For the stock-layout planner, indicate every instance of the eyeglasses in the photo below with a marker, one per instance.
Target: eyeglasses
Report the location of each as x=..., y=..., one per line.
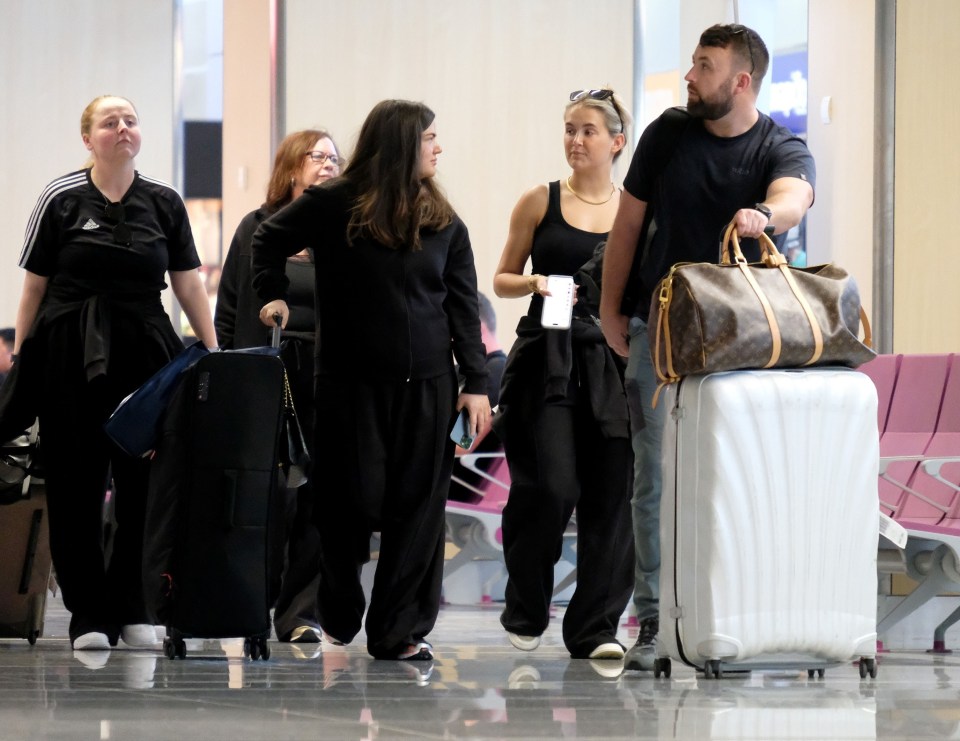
x=320, y=157
x=746, y=37
x=121, y=232
x=603, y=94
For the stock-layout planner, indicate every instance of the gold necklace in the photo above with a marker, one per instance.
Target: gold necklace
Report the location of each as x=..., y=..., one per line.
x=592, y=203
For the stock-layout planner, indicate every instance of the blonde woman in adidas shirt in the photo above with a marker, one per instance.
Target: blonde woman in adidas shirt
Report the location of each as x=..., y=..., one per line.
x=99, y=245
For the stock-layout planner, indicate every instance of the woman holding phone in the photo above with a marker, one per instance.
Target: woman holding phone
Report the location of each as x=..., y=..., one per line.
x=563, y=417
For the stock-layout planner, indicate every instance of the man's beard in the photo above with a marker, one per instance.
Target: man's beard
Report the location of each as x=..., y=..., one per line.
x=711, y=110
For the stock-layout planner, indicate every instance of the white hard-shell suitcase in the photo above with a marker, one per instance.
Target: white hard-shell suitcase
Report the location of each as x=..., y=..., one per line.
x=768, y=521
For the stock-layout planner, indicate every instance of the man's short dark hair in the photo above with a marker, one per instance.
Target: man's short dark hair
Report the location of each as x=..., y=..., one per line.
x=7, y=334
x=487, y=315
x=745, y=44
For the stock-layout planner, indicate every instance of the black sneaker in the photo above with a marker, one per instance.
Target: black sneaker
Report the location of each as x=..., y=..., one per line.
x=641, y=656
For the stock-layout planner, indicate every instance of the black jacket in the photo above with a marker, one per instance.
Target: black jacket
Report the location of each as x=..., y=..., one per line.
x=237, y=317
x=539, y=371
x=382, y=313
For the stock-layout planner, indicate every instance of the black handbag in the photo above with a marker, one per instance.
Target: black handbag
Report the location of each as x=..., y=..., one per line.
x=20, y=392
x=294, y=458
x=19, y=461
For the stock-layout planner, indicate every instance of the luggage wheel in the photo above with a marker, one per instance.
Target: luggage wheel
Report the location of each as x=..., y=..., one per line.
x=174, y=647
x=661, y=667
x=712, y=669
x=256, y=647
x=868, y=666
x=818, y=672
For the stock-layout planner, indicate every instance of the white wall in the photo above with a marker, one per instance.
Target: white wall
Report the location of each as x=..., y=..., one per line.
x=55, y=57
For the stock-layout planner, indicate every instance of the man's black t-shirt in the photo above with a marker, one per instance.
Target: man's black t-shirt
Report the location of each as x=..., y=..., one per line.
x=704, y=182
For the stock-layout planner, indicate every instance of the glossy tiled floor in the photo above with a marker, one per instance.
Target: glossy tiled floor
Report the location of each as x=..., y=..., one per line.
x=478, y=687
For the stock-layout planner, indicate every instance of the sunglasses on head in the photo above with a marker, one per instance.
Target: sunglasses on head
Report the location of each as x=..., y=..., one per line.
x=121, y=232
x=595, y=94
x=746, y=37
x=602, y=94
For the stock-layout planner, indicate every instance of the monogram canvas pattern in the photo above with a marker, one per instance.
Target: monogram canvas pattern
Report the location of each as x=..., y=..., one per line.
x=715, y=321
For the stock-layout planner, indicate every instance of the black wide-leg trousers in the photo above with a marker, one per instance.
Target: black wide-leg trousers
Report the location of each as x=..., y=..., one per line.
x=79, y=460
x=564, y=462
x=383, y=461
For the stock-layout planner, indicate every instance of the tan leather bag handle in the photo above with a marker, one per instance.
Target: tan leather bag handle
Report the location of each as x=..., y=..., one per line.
x=772, y=257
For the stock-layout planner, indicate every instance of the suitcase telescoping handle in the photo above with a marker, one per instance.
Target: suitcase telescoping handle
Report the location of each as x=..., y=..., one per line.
x=275, y=338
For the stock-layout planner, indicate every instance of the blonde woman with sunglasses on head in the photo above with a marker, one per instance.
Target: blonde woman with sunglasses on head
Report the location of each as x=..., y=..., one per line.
x=563, y=419
x=91, y=329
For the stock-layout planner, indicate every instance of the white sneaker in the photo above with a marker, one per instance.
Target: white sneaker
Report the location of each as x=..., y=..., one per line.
x=607, y=669
x=305, y=634
x=524, y=643
x=139, y=635
x=607, y=651
x=91, y=642
x=92, y=659
x=138, y=670
x=523, y=677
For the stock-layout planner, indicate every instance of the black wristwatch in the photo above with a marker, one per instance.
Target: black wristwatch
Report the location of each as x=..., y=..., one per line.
x=762, y=208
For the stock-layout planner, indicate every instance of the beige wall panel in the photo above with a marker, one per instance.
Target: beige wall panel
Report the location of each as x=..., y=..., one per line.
x=841, y=52
x=247, y=112
x=497, y=73
x=55, y=57
x=927, y=190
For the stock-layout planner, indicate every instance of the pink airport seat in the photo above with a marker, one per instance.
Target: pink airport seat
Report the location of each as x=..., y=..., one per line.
x=930, y=509
x=911, y=421
x=935, y=486
x=475, y=527
x=882, y=370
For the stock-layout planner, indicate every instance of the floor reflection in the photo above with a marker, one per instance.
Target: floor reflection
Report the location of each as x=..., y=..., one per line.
x=478, y=687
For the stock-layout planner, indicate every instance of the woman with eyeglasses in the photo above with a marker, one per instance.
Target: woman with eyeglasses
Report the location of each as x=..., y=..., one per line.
x=304, y=158
x=396, y=293
x=563, y=417
x=91, y=329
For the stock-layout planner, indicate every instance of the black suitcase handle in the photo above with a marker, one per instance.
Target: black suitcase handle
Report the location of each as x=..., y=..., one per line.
x=275, y=337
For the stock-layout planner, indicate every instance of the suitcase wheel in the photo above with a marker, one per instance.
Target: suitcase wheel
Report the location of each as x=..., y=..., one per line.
x=712, y=670
x=256, y=647
x=815, y=672
x=175, y=648
x=661, y=667
x=32, y=638
x=868, y=666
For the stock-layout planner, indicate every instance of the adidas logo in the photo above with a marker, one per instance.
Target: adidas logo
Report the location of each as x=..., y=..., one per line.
x=91, y=224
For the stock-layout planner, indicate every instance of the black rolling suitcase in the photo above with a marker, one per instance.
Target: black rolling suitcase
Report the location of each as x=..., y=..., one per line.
x=214, y=528
x=24, y=542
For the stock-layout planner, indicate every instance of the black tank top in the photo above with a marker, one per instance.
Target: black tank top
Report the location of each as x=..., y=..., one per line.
x=300, y=295
x=558, y=248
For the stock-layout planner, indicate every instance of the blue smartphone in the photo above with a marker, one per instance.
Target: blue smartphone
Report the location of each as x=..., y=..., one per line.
x=460, y=433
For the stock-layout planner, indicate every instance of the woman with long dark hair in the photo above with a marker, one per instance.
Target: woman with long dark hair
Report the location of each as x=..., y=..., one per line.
x=396, y=293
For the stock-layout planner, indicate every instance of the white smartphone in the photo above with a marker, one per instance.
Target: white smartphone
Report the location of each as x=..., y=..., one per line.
x=558, y=306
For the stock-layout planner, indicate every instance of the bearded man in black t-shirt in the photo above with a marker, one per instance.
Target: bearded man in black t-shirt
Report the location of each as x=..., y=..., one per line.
x=695, y=171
